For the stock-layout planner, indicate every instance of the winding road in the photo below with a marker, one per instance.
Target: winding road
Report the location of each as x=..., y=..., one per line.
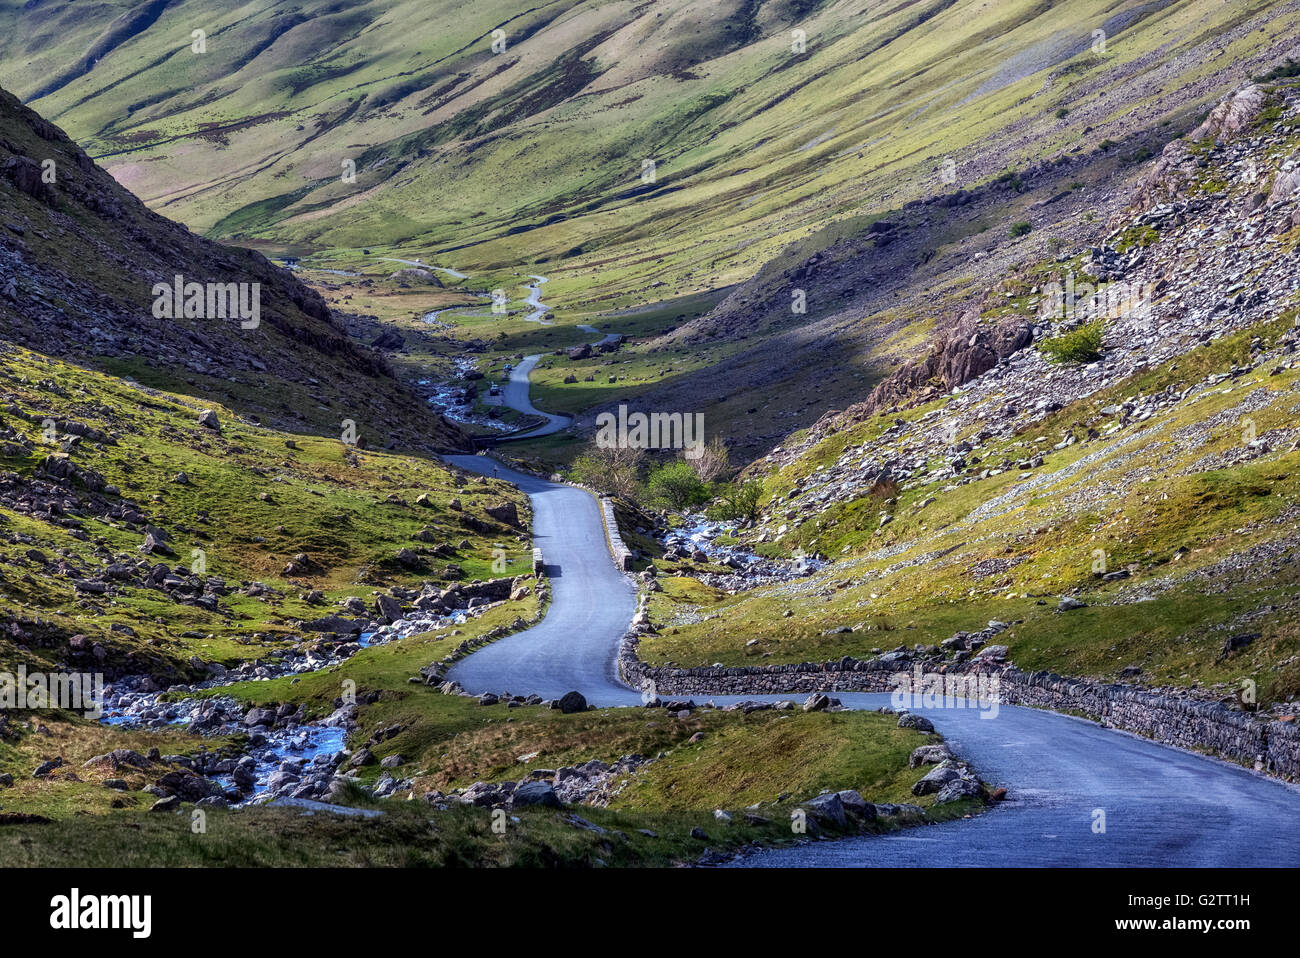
x=1162, y=806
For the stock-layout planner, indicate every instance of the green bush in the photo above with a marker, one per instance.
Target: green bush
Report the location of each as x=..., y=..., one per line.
x=1021, y=229
x=735, y=503
x=1082, y=345
x=675, y=486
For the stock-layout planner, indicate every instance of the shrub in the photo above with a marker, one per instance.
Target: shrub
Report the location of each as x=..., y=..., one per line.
x=677, y=487
x=1062, y=113
x=1082, y=345
x=735, y=503
x=1021, y=229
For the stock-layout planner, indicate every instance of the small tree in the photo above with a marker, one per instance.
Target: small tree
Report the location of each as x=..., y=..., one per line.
x=615, y=471
x=713, y=461
x=676, y=486
x=738, y=502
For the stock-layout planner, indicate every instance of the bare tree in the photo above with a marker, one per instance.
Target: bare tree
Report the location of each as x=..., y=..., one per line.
x=612, y=470
x=713, y=461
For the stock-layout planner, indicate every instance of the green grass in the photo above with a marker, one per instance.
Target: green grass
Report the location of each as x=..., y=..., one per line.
x=251, y=504
x=774, y=759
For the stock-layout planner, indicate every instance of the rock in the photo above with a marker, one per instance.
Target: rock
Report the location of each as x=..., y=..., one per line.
x=187, y=785
x=1236, y=642
x=504, y=512
x=855, y=804
x=1233, y=116
x=168, y=804
x=819, y=702
x=991, y=653
x=208, y=420
x=259, y=716
x=699, y=834
x=155, y=546
x=389, y=609
x=1070, y=602
x=303, y=564
x=45, y=768
x=928, y=755
x=957, y=790
x=389, y=340
x=828, y=808
x=119, y=758
x=571, y=702
x=936, y=779
x=280, y=779
x=535, y=793
x=722, y=816
x=914, y=721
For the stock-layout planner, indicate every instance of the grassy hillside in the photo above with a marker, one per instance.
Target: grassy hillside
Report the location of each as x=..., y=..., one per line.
x=530, y=159
x=91, y=465
x=81, y=264
x=1154, y=482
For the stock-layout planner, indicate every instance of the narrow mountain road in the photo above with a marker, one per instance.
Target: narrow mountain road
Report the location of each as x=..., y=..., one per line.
x=575, y=645
x=516, y=394
x=1160, y=806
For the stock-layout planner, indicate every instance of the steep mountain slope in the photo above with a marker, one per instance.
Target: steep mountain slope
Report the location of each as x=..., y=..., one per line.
x=1148, y=477
x=775, y=153
x=177, y=490
x=535, y=153
x=79, y=261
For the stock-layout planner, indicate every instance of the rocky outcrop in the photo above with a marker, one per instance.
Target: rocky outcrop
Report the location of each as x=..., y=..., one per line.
x=969, y=351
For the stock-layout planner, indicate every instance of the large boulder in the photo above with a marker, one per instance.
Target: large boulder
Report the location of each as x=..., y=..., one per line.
x=389, y=609
x=535, y=793
x=571, y=702
x=936, y=779
x=819, y=702
x=504, y=512
x=828, y=808
x=928, y=755
x=958, y=789
x=189, y=786
x=259, y=716
x=1234, y=116
x=855, y=804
